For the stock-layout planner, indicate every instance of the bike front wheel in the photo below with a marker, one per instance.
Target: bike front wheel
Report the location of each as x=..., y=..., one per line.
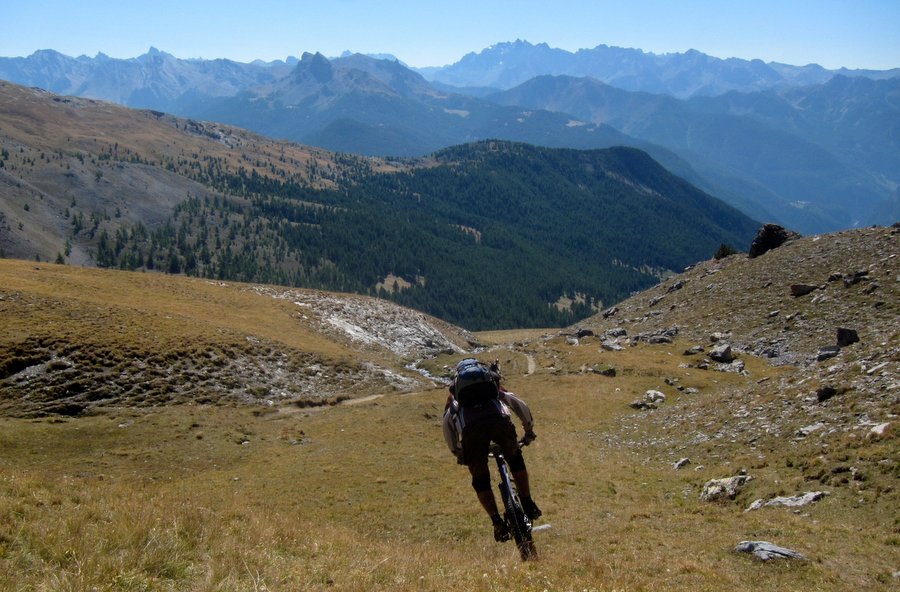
x=520, y=526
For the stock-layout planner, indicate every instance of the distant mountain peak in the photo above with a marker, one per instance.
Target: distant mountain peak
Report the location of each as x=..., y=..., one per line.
x=387, y=57
x=316, y=65
x=154, y=54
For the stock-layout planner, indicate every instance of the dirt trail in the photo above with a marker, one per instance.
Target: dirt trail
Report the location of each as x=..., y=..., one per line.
x=360, y=400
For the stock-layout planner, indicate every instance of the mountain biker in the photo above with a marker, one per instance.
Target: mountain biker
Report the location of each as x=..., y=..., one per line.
x=471, y=423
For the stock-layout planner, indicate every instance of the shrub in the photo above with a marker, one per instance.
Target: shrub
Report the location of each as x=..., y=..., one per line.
x=724, y=250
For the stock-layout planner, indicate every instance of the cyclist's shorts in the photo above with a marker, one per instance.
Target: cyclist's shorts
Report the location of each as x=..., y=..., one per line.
x=476, y=441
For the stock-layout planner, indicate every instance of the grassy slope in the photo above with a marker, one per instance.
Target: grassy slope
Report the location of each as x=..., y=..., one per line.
x=70, y=156
x=101, y=338
x=365, y=496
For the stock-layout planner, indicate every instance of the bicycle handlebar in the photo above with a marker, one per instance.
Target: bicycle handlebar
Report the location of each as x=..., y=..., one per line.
x=495, y=448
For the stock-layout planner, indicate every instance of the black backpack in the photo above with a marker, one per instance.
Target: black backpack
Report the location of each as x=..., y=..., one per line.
x=474, y=383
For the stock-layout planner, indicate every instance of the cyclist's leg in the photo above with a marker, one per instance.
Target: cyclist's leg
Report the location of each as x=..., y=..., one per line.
x=475, y=442
x=477, y=461
x=505, y=436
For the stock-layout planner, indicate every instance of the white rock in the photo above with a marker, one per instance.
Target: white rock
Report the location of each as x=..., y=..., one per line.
x=790, y=502
x=879, y=429
x=655, y=396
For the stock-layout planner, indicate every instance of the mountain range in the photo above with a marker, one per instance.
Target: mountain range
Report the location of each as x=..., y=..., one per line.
x=812, y=157
x=810, y=148
x=681, y=75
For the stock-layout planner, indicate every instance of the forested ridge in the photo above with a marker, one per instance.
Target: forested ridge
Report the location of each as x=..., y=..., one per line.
x=486, y=235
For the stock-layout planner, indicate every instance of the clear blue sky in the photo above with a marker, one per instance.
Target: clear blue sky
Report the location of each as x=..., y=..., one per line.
x=833, y=33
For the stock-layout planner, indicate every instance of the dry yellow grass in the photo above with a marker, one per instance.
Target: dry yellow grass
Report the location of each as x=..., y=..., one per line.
x=44, y=121
x=365, y=497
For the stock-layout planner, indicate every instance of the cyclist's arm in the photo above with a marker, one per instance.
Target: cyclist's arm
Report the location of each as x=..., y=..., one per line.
x=521, y=410
x=451, y=431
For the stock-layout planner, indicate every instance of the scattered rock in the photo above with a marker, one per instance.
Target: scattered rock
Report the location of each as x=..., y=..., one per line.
x=657, y=336
x=735, y=367
x=806, y=431
x=694, y=350
x=720, y=336
x=655, y=396
x=676, y=286
x=571, y=340
x=798, y=290
x=611, y=345
x=617, y=332
x=681, y=463
x=879, y=429
x=766, y=551
x=642, y=405
x=875, y=369
x=825, y=393
x=770, y=236
x=857, y=277
x=608, y=371
x=655, y=300
x=722, y=353
x=827, y=352
x=582, y=333
x=846, y=337
x=717, y=489
x=795, y=501
x=610, y=312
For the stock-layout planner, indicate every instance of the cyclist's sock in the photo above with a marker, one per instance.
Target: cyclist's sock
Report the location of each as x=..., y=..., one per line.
x=531, y=508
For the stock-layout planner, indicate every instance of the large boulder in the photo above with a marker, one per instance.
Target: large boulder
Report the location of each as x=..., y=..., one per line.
x=846, y=337
x=770, y=236
x=720, y=489
x=722, y=353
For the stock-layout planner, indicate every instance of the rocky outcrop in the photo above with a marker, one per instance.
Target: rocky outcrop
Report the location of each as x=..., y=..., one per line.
x=770, y=236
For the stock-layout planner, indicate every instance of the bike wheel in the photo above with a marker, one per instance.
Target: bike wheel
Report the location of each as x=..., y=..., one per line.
x=521, y=531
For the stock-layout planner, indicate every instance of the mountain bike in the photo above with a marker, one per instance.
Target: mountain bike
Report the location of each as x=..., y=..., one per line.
x=518, y=522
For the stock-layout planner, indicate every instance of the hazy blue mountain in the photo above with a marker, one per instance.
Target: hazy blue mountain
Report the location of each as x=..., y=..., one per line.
x=818, y=158
x=154, y=80
x=376, y=107
x=683, y=75
x=376, y=56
